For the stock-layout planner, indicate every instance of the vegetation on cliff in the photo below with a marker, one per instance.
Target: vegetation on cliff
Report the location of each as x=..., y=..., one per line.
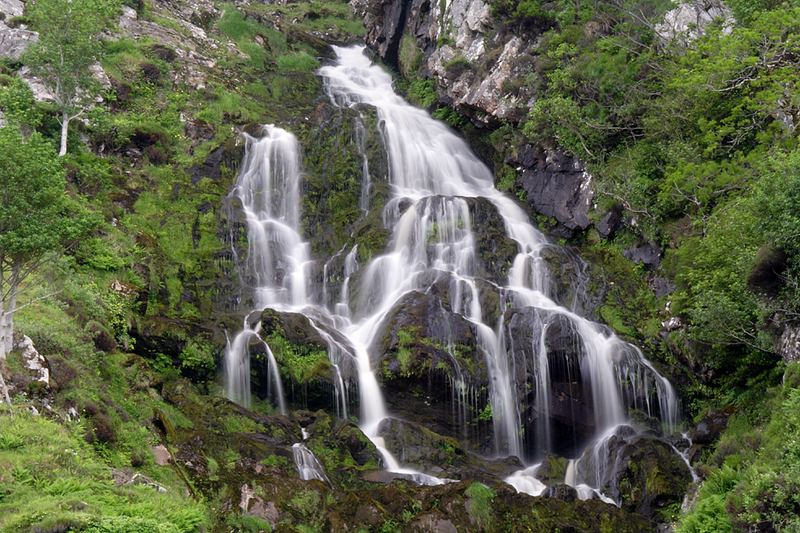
x=693, y=143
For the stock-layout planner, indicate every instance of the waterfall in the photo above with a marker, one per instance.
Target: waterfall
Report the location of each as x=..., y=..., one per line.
x=433, y=176
x=432, y=171
x=268, y=187
x=307, y=465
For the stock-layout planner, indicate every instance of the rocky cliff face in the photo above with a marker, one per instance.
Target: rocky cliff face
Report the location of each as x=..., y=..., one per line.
x=479, y=68
x=14, y=38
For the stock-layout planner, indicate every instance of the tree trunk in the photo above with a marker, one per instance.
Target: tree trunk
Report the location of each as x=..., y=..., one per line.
x=9, y=318
x=3, y=387
x=2, y=313
x=64, y=129
x=3, y=332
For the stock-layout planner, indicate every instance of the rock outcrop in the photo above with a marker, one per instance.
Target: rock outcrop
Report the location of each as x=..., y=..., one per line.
x=14, y=41
x=641, y=472
x=479, y=68
x=690, y=21
x=789, y=344
x=558, y=186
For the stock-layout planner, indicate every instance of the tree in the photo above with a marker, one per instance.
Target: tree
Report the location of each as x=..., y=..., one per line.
x=68, y=47
x=37, y=217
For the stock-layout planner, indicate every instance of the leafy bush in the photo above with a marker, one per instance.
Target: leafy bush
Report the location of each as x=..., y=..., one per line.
x=198, y=359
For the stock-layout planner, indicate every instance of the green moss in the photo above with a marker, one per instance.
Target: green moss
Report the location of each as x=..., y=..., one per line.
x=242, y=424
x=300, y=362
x=297, y=62
x=479, y=505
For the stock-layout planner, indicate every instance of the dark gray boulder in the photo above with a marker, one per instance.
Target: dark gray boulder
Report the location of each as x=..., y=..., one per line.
x=558, y=186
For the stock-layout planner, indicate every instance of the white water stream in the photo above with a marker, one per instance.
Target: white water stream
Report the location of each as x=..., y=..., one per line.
x=433, y=173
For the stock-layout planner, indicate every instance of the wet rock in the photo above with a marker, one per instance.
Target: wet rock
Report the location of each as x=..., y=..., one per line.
x=642, y=472
x=561, y=492
x=647, y=254
x=420, y=448
x=660, y=286
x=558, y=186
x=431, y=523
x=384, y=20
x=571, y=417
x=424, y=350
x=610, y=223
x=650, y=476
x=367, y=514
x=342, y=449
x=552, y=470
x=254, y=505
x=494, y=249
x=328, y=352
x=223, y=160
x=708, y=430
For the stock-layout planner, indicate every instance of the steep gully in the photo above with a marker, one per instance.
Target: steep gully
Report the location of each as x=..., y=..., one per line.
x=432, y=173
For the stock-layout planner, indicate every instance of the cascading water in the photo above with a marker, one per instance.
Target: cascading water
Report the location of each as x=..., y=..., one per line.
x=308, y=466
x=434, y=176
x=268, y=187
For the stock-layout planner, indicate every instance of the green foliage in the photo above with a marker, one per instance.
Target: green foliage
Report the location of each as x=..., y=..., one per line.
x=242, y=424
x=55, y=481
x=506, y=179
x=756, y=479
x=17, y=103
x=331, y=17
x=422, y=92
x=68, y=46
x=450, y=116
x=237, y=27
x=457, y=66
x=405, y=341
x=298, y=61
x=709, y=516
x=302, y=363
x=524, y=11
x=248, y=524
x=687, y=140
x=37, y=218
x=479, y=504
x=198, y=359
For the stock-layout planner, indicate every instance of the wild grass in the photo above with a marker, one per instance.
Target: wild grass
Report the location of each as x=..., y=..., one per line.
x=53, y=480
